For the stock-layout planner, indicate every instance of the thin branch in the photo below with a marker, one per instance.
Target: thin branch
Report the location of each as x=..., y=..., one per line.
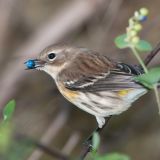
x=152, y=54
x=85, y=152
x=52, y=152
x=50, y=133
x=88, y=148
x=71, y=143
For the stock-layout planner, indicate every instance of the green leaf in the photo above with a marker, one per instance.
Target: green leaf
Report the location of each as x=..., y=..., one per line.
x=120, y=41
x=150, y=78
x=113, y=156
x=8, y=110
x=143, y=46
x=96, y=141
x=5, y=137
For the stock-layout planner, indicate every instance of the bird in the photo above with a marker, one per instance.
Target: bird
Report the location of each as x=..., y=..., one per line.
x=90, y=80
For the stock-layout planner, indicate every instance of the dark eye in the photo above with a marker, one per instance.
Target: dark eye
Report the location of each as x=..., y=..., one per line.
x=51, y=56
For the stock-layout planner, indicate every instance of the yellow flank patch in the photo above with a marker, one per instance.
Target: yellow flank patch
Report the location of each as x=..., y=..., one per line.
x=68, y=94
x=124, y=92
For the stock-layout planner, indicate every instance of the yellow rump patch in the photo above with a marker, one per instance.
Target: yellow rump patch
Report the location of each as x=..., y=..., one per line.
x=124, y=92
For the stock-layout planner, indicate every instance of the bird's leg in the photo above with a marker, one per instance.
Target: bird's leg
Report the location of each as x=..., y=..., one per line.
x=88, y=141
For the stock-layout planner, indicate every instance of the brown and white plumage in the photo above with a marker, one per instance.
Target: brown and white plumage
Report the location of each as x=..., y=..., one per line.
x=91, y=81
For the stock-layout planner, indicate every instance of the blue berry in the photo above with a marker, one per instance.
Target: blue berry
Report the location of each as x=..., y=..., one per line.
x=30, y=64
x=142, y=18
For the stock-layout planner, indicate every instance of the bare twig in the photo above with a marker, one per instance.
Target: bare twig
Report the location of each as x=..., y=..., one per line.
x=52, y=32
x=52, y=131
x=152, y=54
x=52, y=152
x=71, y=143
x=88, y=148
x=84, y=153
x=150, y=57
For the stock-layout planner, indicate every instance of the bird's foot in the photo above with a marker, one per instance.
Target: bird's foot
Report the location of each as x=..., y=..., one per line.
x=88, y=144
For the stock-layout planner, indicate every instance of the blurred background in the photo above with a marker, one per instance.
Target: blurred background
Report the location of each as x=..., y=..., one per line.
x=26, y=27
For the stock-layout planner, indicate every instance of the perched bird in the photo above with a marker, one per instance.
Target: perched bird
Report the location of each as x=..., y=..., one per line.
x=89, y=80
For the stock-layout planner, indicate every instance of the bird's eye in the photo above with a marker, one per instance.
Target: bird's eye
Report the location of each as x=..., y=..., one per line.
x=51, y=56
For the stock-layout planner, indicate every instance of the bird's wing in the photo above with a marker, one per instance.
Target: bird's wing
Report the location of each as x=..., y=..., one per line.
x=110, y=81
x=100, y=76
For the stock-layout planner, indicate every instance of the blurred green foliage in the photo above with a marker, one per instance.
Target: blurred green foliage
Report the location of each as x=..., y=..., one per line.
x=113, y=156
x=142, y=45
x=5, y=136
x=151, y=78
x=96, y=141
x=6, y=126
x=9, y=110
x=107, y=156
x=10, y=148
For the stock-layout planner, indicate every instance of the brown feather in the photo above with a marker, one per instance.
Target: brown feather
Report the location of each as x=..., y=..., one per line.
x=90, y=71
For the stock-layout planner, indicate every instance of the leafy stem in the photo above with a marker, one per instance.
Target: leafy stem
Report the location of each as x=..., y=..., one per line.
x=139, y=58
x=157, y=96
x=136, y=54
x=131, y=39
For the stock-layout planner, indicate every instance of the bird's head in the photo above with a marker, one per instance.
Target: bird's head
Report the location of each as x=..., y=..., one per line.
x=52, y=59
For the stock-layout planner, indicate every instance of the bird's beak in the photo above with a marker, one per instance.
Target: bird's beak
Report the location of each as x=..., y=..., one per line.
x=34, y=63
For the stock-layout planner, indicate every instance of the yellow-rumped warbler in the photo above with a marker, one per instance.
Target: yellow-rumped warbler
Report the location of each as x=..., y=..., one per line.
x=89, y=80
